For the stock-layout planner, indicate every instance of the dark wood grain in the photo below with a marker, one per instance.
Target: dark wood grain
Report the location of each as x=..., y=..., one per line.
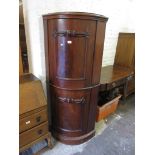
x=77, y=15
x=114, y=76
x=113, y=73
x=73, y=47
x=125, y=56
x=100, y=33
x=125, y=51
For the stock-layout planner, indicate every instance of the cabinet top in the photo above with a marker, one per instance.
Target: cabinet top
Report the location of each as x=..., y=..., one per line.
x=79, y=15
x=25, y=78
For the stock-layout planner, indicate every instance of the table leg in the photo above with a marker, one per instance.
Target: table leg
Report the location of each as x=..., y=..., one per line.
x=49, y=141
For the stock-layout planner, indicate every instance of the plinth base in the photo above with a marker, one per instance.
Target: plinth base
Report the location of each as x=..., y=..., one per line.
x=73, y=140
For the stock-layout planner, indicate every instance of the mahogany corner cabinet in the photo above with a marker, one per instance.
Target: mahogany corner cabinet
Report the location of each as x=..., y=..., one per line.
x=73, y=51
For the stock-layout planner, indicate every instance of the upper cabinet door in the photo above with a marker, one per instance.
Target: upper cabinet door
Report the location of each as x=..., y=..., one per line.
x=71, y=49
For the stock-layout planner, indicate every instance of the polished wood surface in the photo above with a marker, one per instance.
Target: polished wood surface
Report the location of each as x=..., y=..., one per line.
x=27, y=78
x=98, y=52
x=114, y=76
x=33, y=134
x=32, y=112
x=73, y=51
x=31, y=93
x=125, y=56
x=114, y=73
x=33, y=122
x=78, y=15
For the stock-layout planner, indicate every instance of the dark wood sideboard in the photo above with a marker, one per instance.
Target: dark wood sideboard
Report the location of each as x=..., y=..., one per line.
x=117, y=80
x=73, y=50
x=125, y=57
x=115, y=76
x=122, y=73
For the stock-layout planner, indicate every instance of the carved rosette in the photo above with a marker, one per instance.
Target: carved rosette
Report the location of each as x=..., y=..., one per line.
x=71, y=100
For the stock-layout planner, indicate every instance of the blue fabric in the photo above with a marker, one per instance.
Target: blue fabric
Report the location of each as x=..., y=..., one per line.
x=35, y=148
x=27, y=152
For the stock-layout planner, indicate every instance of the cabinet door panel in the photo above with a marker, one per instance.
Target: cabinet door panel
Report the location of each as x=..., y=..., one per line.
x=67, y=58
x=69, y=43
x=73, y=106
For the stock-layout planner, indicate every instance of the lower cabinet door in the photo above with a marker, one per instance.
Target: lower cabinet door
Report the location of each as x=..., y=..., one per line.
x=33, y=134
x=70, y=111
x=73, y=111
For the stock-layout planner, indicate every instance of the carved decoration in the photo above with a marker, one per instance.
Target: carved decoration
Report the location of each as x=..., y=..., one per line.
x=71, y=33
x=71, y=100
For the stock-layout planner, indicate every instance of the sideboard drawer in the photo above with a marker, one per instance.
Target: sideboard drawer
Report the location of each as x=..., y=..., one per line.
x=32, y=120
x=33, y=134
x=107, y=108
x=115, y=84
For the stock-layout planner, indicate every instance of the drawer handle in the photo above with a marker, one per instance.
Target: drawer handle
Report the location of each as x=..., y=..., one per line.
x=38, y=119
x=40, y=132
x=28, y=122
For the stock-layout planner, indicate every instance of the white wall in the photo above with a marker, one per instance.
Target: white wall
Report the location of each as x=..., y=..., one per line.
x=119, y=12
